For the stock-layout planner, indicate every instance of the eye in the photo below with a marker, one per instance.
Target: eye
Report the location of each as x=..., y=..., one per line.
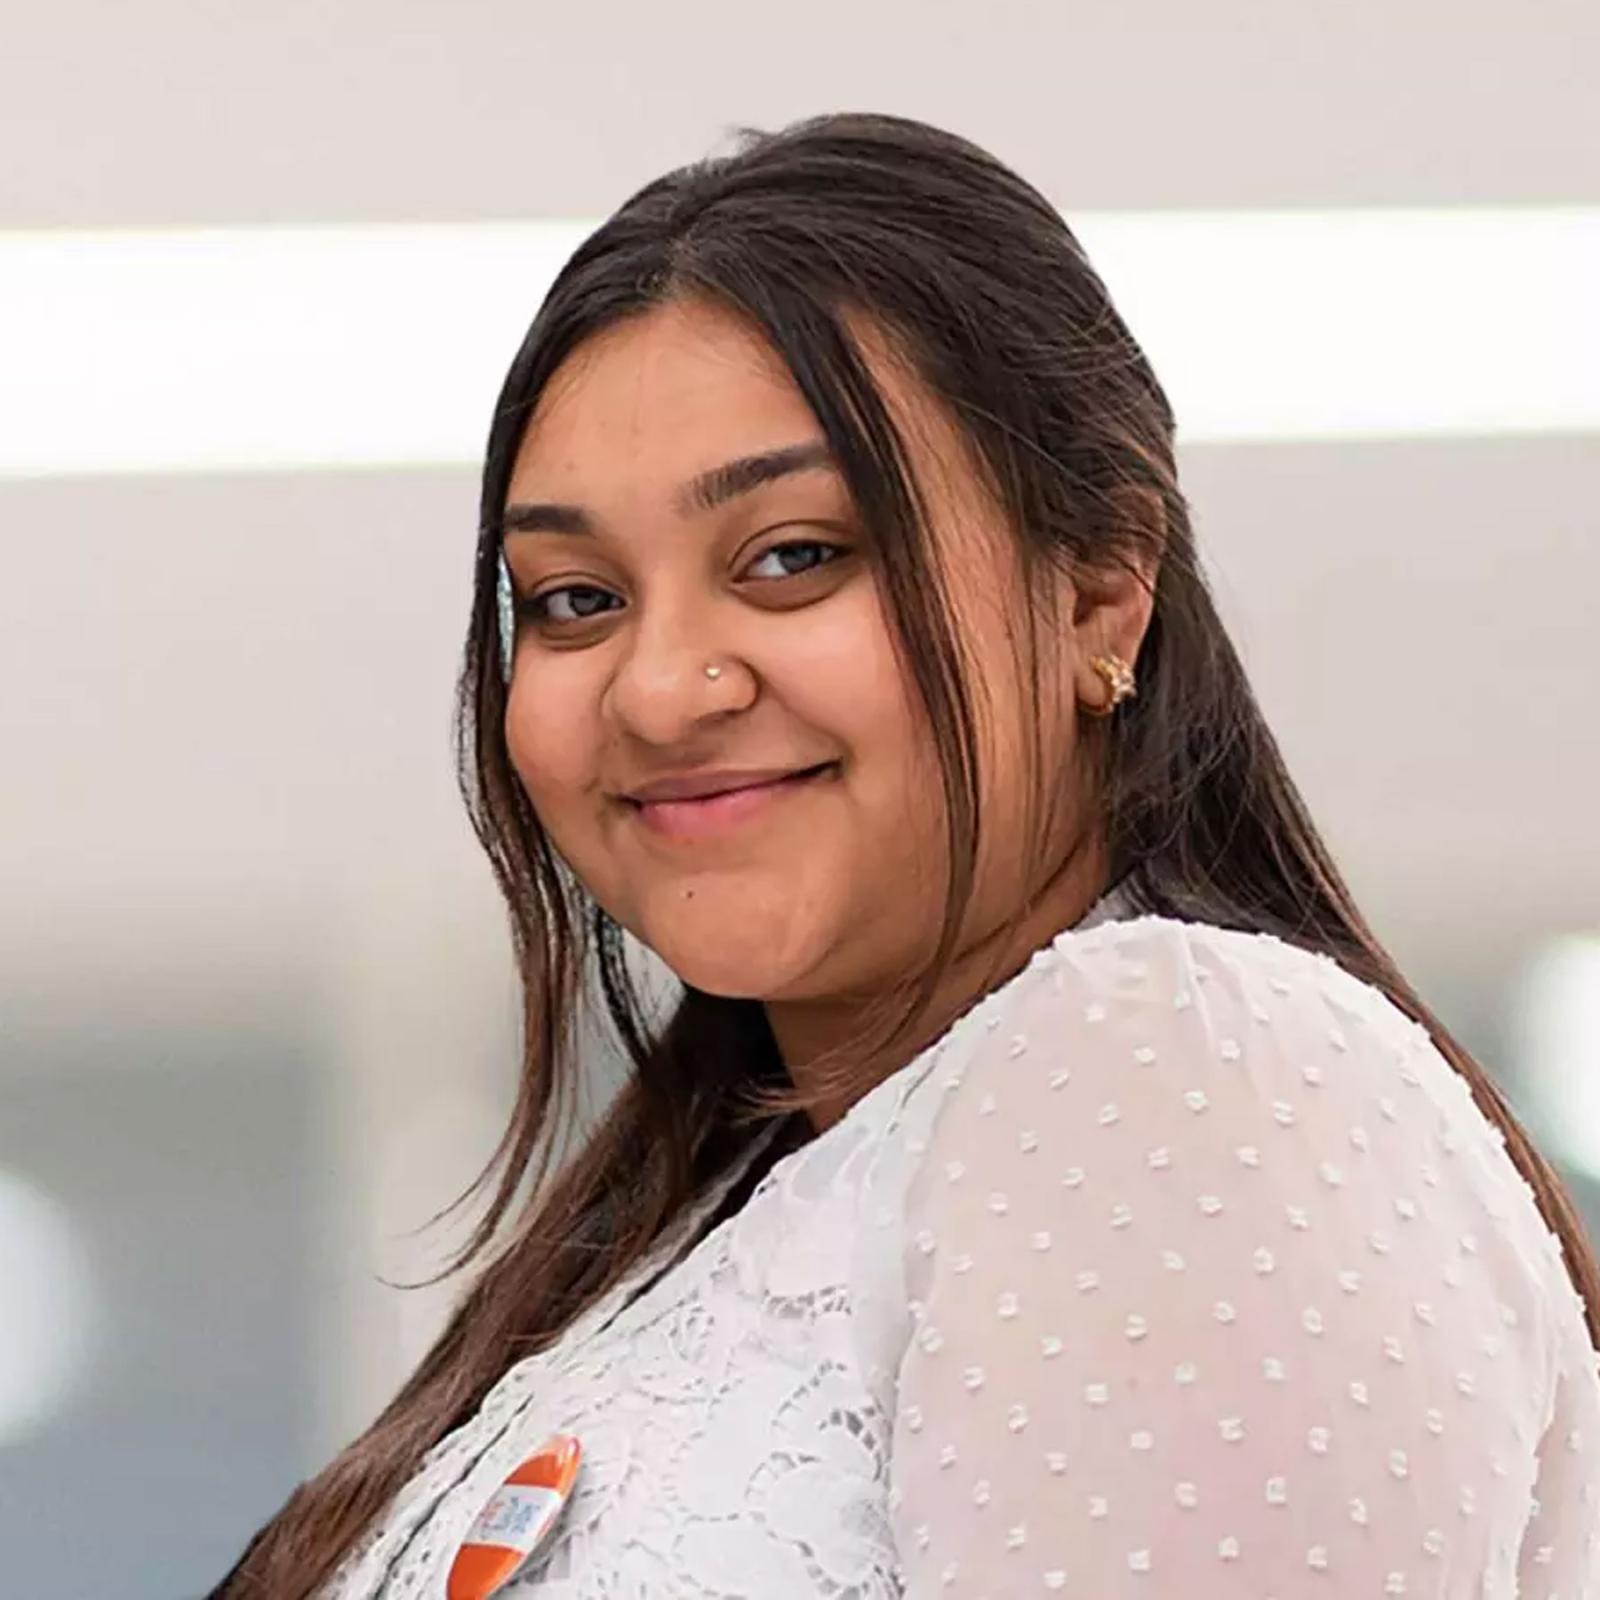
x=582, y=602
x=830, y=552
x=539, y=606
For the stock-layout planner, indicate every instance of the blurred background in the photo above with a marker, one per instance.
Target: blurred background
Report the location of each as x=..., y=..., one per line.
x=261, y=271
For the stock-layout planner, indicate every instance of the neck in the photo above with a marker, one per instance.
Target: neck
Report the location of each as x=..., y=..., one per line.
x=810, y=1031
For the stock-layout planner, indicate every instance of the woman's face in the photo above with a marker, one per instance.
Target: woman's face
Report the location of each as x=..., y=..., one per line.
x=637, y=570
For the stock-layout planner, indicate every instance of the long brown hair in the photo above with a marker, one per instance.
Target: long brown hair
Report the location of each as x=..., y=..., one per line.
x=976, y=278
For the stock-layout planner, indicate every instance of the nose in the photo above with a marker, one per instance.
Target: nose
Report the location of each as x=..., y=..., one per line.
x=660, y=692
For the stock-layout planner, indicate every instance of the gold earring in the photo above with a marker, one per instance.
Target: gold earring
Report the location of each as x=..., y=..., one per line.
x=1119, y=678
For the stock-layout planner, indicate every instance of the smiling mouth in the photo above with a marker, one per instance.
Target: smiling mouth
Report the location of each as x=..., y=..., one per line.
x=708, y=815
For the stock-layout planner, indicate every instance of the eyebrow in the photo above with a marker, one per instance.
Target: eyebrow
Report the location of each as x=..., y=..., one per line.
x=703, y=492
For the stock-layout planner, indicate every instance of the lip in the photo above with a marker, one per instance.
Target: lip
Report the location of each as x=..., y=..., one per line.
x=711, y=781
x=709, y=815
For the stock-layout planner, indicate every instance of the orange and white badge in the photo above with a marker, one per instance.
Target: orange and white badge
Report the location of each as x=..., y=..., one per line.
x=515, y=1521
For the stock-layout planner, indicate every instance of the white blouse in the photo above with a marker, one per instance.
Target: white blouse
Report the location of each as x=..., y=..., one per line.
x=1181, y=1264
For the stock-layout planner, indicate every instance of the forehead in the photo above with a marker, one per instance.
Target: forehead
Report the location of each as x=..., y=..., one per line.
x=685, y=386
x=655, y=391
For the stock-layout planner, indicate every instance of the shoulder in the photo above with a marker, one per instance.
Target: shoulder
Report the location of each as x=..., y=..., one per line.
x=1155, y=1045
x=1149, y=947
x=1194, y=1207
x=1225, y=992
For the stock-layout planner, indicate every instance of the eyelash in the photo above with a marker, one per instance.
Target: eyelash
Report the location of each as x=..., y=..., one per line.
x=534, y=606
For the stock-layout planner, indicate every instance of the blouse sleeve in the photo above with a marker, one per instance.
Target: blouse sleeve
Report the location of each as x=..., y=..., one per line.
x=1561, y=1547
x=1203, y=1296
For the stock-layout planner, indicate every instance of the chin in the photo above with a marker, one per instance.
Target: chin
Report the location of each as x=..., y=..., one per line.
x=737, y=969
x=732, y=974
x=745, y=935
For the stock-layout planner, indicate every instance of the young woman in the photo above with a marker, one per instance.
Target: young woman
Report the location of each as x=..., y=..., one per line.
x=1045, y=1183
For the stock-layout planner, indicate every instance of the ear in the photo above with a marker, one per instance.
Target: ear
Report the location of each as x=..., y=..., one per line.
x=1112, y=603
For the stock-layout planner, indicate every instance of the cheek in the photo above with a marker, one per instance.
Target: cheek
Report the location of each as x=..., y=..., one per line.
x=843, y=678
x=860, y=691
x=551, y=742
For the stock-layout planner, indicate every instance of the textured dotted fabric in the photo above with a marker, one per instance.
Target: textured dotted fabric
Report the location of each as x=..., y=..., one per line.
x=1182, y=1264
x=1223, y=1286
